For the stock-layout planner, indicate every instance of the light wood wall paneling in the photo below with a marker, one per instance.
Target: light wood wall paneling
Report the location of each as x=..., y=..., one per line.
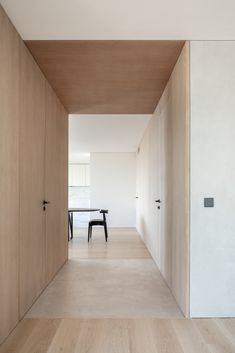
x=32, y=159
x=163, y=173
x=176, y=180
x=26, y=101
x=9, y=181
x=56, y=184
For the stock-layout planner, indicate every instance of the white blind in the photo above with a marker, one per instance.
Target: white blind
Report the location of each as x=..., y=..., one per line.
x=79, y=175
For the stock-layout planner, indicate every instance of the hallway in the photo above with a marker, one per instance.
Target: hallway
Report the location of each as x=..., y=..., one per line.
x=126, y=110
x=112, y=298
x=114, y=280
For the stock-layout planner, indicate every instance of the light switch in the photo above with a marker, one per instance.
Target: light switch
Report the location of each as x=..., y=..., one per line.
x=208, y=202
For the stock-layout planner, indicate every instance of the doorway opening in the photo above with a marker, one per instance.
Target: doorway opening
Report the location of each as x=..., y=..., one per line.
x=137, y=170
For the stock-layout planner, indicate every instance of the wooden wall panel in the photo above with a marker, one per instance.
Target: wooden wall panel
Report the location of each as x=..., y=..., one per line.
x=163, y=173
x=26, y=101
x=180, y=181
x=9, y=181
x=32, y=157
x=173, y=110
x=56, y=181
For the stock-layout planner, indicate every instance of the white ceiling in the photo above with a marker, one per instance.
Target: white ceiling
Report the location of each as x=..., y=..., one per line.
x=105, y=133
x=123, y=19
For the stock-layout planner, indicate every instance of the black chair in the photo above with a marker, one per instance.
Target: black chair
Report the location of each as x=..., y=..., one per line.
x=98, y=222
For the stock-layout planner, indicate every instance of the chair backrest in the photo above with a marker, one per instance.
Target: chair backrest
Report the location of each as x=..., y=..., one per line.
x=104, y=212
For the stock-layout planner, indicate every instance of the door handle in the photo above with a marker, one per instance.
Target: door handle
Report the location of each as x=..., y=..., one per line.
x=45, y=202
x=158, y=201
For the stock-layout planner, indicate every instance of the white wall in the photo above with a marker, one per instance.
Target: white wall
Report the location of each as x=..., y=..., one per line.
x=213, y=175
x=163, y=173
x=113, y=186
x=105, y=133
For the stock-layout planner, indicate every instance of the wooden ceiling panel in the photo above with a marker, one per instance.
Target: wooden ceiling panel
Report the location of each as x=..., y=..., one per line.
x=107, y=77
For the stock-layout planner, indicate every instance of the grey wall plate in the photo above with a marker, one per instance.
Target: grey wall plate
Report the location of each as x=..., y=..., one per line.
x=208, y=202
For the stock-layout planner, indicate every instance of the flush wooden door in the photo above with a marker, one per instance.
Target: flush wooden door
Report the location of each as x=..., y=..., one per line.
x=56, y=184
x=32, y=159
x=43, y=176
x=155, y=187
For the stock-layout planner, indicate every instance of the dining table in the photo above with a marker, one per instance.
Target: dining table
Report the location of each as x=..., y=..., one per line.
x=73, y=210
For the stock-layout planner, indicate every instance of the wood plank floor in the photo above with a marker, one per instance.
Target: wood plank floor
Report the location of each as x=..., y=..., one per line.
x=124, y=257
x=122, y=336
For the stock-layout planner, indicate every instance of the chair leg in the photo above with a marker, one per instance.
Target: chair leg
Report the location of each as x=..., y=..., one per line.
x=91, y=232
x=106, y=231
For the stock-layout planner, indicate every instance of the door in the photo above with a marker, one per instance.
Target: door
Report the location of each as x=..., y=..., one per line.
x=32, y=154
x=160, y=190
x=155, y=186
x=56, y=184
x=165, y=193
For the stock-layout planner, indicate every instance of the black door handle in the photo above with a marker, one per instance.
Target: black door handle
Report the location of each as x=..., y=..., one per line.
x=45, y=202
x=159, y=201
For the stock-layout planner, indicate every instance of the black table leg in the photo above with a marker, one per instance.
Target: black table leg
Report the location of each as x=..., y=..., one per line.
x=68, y=227
x=71, y=225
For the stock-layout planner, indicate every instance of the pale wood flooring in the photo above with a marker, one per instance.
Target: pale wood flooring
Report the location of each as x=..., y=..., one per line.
x=117, y=335
x=122, y=336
